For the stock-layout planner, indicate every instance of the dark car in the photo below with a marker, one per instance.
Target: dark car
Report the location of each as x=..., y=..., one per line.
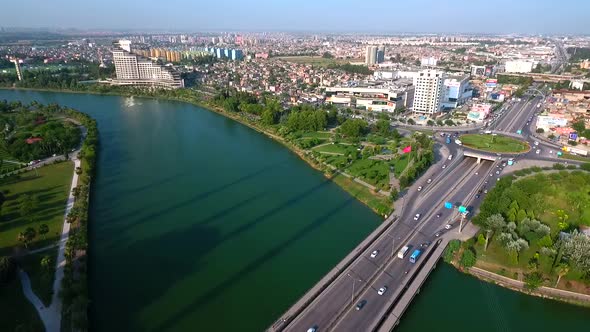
x=361, y=304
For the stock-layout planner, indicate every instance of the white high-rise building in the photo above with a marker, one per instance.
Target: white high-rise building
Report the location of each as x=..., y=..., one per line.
x=371, y=55
x=132, y=69
x=428, y=93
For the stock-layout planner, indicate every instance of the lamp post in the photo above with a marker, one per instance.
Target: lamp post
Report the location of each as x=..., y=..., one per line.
x=392, y=243
x=354, y=279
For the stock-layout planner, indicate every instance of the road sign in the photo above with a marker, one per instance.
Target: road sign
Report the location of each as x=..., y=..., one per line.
x=448, y=205
x=462, y=209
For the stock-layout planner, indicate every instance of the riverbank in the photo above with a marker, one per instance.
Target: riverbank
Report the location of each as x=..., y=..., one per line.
x=375, y=201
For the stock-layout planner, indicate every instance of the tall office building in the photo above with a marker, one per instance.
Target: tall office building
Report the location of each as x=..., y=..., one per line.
x=428, y=93
x=381, y=54
x=19, y=73
x=132, y=69
x=371, y=55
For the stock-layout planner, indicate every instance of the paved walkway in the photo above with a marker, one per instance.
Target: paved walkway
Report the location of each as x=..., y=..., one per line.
x=51, y=316
x=47, y=317
x=519, y=285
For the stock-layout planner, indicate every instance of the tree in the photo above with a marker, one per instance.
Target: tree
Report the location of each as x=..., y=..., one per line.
x=353, y=128
x=43, y=229
x=27, y=236
x=561, y=269
x=382, y=127
x=468, y=258
x=576, y=249
x=46, y=263
x=7, y=269
x=493, y=223
x=540, y=130
x=430, y=123
x=533, y=280
x=411, y=122
x=26, y=205
x=327, y=55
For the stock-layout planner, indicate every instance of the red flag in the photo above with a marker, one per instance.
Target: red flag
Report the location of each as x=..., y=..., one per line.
x=407, y=149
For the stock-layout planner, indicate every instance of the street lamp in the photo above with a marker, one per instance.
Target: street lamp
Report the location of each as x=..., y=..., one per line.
x=354, y=279
x=392, y=243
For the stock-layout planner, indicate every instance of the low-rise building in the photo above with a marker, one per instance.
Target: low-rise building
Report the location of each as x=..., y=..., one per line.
x=479, y=112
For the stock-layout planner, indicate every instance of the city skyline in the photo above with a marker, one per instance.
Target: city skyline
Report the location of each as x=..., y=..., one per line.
x=423, y=16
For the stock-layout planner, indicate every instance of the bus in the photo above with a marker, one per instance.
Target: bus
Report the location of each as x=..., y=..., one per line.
x=415, y=255
x=402, y=253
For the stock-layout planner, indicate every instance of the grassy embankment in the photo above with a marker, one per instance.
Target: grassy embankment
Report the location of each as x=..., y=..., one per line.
x=494, y=143
x=50, y=184
x=560, y=201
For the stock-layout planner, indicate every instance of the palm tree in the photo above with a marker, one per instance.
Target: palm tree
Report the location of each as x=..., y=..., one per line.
x=562, y=269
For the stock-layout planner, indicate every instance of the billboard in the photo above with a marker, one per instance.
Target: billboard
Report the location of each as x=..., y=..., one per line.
x=573, y=136
x=491, y=83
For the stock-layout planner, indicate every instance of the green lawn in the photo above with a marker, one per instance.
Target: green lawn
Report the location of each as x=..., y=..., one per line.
x=400, y=164
x=493, y=143
x=17, y=311
x=378, y=203
x=318, y=134
x=375, y=172
x=575, y=157
x=51, y=187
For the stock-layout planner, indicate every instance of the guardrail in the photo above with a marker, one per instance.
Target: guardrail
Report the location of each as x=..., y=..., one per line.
x=320, y=286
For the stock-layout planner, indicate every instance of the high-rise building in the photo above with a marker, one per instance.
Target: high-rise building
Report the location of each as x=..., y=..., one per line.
x=371, y=55
x=132, y=69
x=381, y=54
x=236, y=54
x=18, y=69
x=428, y=92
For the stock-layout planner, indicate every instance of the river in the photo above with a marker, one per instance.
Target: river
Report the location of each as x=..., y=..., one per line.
x=200, y=223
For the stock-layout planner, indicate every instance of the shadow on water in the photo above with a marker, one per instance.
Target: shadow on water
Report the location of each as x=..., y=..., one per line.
x=144, y=288
x=213, y=292
x=196, y=197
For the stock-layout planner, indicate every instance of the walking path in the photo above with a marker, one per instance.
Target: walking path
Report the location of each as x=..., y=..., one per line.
x=51, y=316
x=519, y=285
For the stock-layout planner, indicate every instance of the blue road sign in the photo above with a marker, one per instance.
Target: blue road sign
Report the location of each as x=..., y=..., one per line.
x=462, y=209
x=448, y=205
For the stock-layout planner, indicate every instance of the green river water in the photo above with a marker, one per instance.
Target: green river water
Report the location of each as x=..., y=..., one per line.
x=202, y=224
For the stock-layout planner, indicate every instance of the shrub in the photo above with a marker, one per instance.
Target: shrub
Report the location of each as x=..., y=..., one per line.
x=468, y=258
x=558, y=166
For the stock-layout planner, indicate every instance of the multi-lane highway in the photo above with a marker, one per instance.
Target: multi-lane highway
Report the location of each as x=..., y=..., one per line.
x=335, y=307
x=351, y=300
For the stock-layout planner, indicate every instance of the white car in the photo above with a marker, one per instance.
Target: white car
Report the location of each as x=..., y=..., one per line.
x=313, y=329
x=417, y=216
x=419, y=188
x=444, y=166
x=429, y=180
x=536, y=143
x=448, y=226
x=382, y=290
x=374, y=253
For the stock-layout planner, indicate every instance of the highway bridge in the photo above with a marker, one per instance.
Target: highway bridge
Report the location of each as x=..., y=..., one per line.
x=420, y=221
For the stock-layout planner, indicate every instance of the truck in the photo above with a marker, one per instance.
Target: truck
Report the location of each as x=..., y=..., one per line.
x=402, y=253
x=448, y=140
x=458, y=142
x=415, y=255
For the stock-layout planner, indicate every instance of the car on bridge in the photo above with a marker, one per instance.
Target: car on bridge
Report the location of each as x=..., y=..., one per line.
x=429, y=180
x=419, y=188
x=313, y=329
x=417, y=216
x=361, y=304
x=374, y=253
x=382, y=290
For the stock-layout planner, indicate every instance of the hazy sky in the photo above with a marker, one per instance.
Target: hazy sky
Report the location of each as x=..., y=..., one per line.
x=493, y=16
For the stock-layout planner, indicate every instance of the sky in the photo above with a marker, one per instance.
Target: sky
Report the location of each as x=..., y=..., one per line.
x=364, y=16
